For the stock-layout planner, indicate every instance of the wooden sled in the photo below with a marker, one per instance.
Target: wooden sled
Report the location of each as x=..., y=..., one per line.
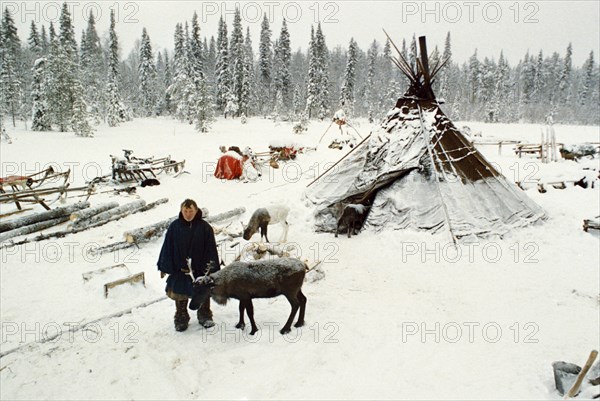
x=131, y=168
x=28, y=189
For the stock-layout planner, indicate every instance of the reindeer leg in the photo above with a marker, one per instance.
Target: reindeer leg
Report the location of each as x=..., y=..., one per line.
x=302, y=299
x=286, y=227
x=350, y=228
x=241, y=323
x=263, y=231
x=293, y=300
x=250, y=311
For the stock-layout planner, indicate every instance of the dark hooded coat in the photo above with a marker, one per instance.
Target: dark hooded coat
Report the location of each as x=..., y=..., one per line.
x=195, y=240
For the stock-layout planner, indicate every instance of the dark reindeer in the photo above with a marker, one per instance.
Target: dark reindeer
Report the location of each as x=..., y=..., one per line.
x=352, y=217
x=259, y=279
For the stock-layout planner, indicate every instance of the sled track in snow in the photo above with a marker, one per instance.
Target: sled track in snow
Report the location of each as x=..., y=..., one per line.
x=83, y=326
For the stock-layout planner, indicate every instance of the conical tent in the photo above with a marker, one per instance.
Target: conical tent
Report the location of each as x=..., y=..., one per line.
x=419, y=171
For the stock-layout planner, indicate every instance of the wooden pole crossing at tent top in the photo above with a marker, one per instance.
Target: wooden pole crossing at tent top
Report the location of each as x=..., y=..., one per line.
x=424, y=61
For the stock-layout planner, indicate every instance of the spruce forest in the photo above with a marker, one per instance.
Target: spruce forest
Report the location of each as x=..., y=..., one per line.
x=56, y=82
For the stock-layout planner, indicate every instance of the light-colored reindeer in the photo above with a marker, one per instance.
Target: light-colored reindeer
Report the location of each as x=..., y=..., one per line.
x=265, y=216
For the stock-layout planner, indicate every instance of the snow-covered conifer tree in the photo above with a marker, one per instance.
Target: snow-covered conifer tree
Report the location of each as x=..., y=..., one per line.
x=285, y=57
x=196, y=47
x=238, y=64
x=115, y=111
x=317, y=101
x=323, y=69
x=249, y=77
x=39, y=113
x=93, y=70
x=203, y=107
x=80, y=117
x=588, y=81
x=564, y=81
x=265, y=63
x=63, y=73
x=501, y=93
x=11, y=83
x=231, y=107
x=222, y=72
x=183, y=88
x=34, y=42
x=347, y=92
x=147, y=74
x=44, y=42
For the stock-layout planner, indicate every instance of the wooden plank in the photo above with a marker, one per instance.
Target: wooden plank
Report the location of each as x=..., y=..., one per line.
x=135, y=278
x=88, y=275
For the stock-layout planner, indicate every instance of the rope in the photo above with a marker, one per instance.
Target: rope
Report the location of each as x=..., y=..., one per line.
x=437, y=180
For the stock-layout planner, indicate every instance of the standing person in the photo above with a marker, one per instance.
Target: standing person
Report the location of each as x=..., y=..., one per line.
x=189, y=244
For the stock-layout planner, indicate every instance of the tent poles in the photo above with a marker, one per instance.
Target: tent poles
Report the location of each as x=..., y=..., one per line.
x=355, y=130
x=437, y=180
x=336, y=163
x=329, y=126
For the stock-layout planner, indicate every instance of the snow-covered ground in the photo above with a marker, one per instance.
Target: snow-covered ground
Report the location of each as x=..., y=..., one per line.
x=397, y=315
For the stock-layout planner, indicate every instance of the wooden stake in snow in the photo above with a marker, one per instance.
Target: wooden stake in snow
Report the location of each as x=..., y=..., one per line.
x=43, y=216
x=575, y=388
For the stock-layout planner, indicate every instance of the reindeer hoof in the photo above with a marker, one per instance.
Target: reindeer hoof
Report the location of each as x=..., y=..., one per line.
x=299, y=324
x=253, y=332
x=285, y=330
x=240, y=326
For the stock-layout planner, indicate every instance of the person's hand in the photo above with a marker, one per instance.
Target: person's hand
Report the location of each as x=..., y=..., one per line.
x=162, y=274
x=186, y=270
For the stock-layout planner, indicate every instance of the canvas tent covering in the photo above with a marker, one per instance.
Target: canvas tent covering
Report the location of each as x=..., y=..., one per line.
x=418, y=171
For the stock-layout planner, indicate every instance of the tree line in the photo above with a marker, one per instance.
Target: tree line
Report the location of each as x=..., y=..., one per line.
x=56, y=83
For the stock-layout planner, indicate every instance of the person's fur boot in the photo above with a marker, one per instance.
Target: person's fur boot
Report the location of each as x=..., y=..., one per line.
x=205, y=315
x=181, y=315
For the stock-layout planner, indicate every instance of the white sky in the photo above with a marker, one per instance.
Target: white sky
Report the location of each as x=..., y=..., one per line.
x=489, y=26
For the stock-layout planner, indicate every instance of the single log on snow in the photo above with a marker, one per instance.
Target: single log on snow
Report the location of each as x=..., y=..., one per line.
x=43, y=216
x=87, y=213
x=152, y=205
x=225, y=215
x=147, y=233
x=42, y=225
x=113, y=214
x=115, y=246
x=109, y=214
